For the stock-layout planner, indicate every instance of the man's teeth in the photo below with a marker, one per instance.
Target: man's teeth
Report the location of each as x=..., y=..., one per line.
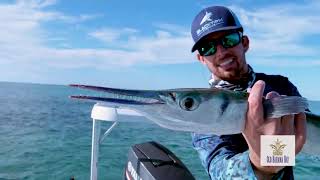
x=226, y=62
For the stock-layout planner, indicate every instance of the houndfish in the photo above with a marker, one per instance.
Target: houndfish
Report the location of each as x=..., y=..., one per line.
x=200, y=110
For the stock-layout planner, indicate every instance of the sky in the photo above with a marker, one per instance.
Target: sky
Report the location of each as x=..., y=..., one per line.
x=146, y=44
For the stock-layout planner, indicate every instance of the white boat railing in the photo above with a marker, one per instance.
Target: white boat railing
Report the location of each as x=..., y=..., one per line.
x=101, y=113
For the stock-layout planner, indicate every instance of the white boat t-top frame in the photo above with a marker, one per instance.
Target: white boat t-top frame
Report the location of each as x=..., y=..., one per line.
x=101, y=113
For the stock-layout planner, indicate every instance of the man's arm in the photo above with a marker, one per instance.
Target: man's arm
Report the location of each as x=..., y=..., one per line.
x=227, y=157
x=224, y=157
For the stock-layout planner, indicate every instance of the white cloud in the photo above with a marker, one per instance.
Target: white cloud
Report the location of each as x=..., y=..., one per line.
x=164, y=48
x=24, y=42
x=36, y=3
x=285, y=61
x=274, y=31
x=281, y=29
x=111, y=35
x=179, y=30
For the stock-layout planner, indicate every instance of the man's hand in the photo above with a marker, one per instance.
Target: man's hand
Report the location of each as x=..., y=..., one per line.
x=256, y=126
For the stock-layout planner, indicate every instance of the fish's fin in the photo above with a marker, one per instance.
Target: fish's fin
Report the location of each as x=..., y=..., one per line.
x=284, y=105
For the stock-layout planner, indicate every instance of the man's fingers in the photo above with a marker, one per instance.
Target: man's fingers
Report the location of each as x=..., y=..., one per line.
x=300, y=128
x=272, y=94
x=255, y=110
x=256, y=93
x=287, y=123
x=272, y=125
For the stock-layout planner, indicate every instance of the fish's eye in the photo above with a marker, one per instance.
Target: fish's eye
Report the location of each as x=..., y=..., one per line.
x=189, y=103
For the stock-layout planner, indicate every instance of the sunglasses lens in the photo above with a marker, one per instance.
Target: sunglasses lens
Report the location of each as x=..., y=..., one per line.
x=207, y=49
x=231, y=40
x=227, y=41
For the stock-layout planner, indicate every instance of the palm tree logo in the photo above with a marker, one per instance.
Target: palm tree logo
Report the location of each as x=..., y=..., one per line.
x=277, y=148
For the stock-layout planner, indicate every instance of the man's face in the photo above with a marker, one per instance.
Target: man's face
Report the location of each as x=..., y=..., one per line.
x=228, y=64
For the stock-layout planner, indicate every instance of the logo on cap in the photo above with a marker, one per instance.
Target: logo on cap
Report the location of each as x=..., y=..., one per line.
x=206, y=17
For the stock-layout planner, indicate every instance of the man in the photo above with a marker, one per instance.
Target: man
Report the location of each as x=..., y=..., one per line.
x=221, y=46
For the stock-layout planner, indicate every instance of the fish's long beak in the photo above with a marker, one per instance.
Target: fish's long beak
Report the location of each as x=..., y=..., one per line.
x=121, y=96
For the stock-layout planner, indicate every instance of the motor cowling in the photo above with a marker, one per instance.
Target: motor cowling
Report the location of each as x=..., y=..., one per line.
x=153, y=161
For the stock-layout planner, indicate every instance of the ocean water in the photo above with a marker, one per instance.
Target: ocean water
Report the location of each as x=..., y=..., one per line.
x=45, y=135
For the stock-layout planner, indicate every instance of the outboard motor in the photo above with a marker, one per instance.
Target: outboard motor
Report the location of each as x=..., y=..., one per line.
x=152, y=161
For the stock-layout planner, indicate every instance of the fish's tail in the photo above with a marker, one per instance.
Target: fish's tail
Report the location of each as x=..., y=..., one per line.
x=284, y=105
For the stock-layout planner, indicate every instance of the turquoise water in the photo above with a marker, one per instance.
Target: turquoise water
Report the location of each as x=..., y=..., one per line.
x=45, y=135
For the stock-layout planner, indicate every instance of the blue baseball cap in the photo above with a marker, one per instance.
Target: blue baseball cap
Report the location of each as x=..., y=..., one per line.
x=213, y=19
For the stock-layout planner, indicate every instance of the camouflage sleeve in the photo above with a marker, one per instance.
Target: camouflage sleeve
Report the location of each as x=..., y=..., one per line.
x=224, y=157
